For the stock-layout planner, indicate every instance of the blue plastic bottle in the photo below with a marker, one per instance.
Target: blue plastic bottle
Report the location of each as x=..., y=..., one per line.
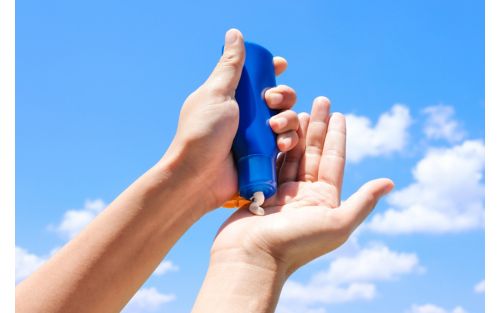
x=254, y=147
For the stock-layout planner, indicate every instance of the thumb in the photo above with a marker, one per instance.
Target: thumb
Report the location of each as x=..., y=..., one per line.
x=361, y=203
x=226, y=75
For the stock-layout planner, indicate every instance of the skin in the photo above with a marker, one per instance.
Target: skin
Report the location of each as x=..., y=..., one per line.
x=303, y=221
x=101, y=268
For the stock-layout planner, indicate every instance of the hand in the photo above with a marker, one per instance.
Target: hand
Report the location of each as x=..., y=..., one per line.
x=209, y=119
x=305, y=219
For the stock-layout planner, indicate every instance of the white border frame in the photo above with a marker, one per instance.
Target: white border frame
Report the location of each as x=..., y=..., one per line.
x=7, y=155
x=492, y=219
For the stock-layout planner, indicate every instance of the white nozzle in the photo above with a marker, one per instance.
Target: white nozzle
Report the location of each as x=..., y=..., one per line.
x=257, y=200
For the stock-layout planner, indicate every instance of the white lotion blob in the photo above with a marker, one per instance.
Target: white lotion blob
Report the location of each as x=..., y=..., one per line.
x=257, y=200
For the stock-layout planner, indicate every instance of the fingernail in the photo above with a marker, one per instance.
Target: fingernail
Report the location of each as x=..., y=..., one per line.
x=337, y=115
x=286, y=142
x=231, y=36
x=280, y=122
x=388, y=189
x=275, y=98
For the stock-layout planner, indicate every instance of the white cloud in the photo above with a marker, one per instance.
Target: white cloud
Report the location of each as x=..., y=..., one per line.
x=389, y=135
x=440, y=124
x=283, y=308
x=431, y=308
x=479, y=287
x=26, y=263
x=327, y=293
x=446, y=196
x=375, y=263
x=74, y=221
x=147, y=299
x=164, y=267
x=350, y=278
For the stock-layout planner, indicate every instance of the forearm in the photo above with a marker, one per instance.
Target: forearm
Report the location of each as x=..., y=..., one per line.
x=236, y=285
x=109, y=260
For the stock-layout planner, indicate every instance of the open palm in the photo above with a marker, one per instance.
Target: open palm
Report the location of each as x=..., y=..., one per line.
x=305, y=218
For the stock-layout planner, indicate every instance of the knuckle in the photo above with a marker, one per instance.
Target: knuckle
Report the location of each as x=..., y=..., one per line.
x=309, y=177
x=217, y=90
x=230, y=59
x=334, y=153
x=313, y=149
x=337, y=131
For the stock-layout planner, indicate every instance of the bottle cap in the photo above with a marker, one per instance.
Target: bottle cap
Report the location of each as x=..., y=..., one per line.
x=256, y=172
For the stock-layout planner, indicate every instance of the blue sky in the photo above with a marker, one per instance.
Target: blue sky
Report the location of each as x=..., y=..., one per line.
x=100, y=84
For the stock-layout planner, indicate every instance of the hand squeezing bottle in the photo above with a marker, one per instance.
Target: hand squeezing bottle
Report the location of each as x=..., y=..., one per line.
x=254, y=147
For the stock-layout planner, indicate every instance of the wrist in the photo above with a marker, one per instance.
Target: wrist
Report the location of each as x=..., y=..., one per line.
x=241, y=283
x=174, y=168
x=199, y=172
x=249, y=258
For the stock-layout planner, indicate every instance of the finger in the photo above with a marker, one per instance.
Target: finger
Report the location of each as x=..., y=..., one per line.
x=285, y=121
x=226, y=75
x=287, y=141
x=281, y=97
x=331, y=166
x=355, y=209
x=280, y=65
x=290, y=169
x=279, y=161
x=315, y=138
